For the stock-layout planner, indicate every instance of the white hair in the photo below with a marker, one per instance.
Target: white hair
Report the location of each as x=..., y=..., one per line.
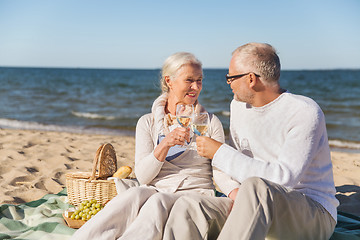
x=260, y=58
x=173, y=63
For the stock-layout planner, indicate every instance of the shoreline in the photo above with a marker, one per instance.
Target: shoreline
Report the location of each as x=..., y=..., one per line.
x=34, y=163
x=336, y=145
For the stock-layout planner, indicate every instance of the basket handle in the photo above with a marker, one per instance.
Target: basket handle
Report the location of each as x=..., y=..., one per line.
x=95, y=163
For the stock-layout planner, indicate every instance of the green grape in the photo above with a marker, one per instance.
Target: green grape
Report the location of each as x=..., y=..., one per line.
x=87, y=209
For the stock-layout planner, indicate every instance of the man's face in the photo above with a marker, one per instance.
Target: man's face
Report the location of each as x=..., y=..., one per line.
x=240, y=86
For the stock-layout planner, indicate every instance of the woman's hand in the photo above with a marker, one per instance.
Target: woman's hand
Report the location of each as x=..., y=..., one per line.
x=178, y=136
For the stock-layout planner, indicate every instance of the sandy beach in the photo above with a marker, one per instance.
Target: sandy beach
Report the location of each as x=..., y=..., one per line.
x=34, y=163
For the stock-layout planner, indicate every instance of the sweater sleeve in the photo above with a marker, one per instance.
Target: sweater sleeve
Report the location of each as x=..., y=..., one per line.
x=222, y=180
x=304, y=136
x=147, y=167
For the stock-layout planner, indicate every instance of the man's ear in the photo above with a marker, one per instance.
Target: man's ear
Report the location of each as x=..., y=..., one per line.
x=255, y=83
x=253, y=80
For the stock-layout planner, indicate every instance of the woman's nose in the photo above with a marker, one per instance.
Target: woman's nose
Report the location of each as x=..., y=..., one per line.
x=195, y=85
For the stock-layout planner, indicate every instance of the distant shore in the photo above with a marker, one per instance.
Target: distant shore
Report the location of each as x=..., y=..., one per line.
x=34, y=163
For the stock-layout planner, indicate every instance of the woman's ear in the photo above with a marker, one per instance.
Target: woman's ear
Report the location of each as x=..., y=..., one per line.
x=168, y=82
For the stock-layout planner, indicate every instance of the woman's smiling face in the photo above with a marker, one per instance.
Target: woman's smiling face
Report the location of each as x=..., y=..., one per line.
x=186, y=85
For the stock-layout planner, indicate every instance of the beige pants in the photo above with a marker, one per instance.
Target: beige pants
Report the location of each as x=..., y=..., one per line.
x=197, y=217
x=142, y=212
x=263, y=209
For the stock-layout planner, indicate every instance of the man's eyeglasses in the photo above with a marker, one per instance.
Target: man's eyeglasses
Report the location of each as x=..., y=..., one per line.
x=230, y=79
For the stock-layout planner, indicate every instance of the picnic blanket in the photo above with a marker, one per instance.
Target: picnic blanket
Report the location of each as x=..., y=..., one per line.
x=42, y=220
x=347, y=227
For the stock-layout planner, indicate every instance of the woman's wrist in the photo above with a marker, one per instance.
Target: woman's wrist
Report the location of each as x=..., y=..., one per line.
x=161, y=151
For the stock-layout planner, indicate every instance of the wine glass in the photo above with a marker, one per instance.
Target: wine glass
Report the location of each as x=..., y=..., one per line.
x=200, y=124
x=184, y=114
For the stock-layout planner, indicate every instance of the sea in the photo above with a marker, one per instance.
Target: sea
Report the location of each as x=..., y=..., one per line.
x=110, y=101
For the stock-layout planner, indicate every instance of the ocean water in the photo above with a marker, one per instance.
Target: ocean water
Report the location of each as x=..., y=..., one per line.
x=111, y=101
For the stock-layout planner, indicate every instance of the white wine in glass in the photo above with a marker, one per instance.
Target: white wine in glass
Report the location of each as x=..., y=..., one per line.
x=199, y=129
x=200, y=124
x=184, y=114
x=184, y=121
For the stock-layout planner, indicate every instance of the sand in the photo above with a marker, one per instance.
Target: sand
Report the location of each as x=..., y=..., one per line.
x=34, y=163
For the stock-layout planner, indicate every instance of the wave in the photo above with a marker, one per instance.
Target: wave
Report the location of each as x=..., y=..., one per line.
x=225, y=113
x=16, y=124
x=92, y=115
x=25, y=125
x=344, y=144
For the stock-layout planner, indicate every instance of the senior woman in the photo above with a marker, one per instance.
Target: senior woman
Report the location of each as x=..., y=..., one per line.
x=166, y=171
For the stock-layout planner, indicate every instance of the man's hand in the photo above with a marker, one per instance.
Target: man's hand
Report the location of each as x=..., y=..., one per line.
x=232, y=195
x=206, y=146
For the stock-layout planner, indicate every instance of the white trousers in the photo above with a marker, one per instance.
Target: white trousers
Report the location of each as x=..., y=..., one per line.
x=142, y=213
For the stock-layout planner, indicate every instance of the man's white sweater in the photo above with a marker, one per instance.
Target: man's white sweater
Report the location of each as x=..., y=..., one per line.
x=285, y=142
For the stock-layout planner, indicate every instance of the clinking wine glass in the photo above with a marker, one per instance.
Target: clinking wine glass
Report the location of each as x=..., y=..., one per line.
x=200, y=125
x=184, y=114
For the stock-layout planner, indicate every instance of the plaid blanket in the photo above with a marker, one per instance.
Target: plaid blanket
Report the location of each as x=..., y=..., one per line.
x=347, y=227
x=42, y=220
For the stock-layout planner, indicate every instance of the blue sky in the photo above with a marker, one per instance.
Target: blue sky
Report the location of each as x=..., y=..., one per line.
x=141, y=34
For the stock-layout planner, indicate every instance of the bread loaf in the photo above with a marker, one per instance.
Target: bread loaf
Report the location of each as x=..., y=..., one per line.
x=123, y=172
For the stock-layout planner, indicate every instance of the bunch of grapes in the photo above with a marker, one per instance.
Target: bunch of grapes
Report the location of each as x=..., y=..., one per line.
x=86, y=210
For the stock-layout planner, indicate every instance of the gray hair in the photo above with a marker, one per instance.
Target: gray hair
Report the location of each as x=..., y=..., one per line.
x=260, y=58
x=173, y=63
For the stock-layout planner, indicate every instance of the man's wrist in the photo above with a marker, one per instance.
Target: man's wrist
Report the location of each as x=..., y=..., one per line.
x=217, y=151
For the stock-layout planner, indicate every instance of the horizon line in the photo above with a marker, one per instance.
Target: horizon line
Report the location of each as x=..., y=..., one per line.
x=206, y=68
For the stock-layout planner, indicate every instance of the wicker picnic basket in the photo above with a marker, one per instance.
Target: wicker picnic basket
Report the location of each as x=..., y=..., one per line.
x=83, y=186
